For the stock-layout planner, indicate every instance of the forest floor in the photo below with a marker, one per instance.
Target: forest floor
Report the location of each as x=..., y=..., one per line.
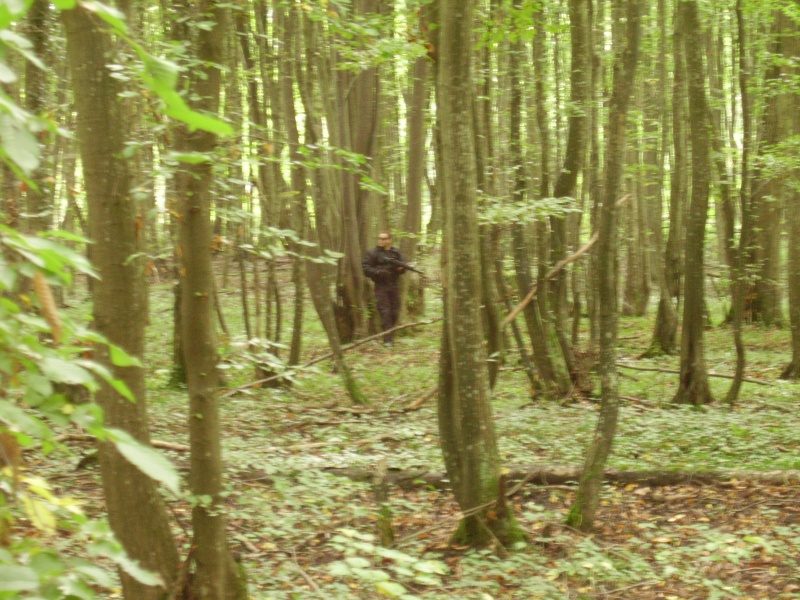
x=303, y=531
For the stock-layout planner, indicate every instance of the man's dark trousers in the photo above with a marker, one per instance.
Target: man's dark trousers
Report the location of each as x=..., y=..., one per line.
x=387, y=297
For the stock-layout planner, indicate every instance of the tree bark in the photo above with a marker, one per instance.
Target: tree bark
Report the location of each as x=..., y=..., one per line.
x=587, y=498
x=216, y=575
x=469, y=445
x=136, y=510
x=693, y=387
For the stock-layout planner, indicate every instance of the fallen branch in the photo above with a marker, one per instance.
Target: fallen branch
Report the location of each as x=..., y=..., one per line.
x=552, y=273
x=376, y=438
x=561, y=475
x=419, y=401
x=676, y=372
x=555, y=270
x=85, y=437
x=318, y=359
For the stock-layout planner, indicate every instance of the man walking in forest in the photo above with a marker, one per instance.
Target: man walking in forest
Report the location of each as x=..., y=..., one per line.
x=381, y=265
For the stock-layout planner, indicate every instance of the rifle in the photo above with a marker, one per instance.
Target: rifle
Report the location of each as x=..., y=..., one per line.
x=400, y=263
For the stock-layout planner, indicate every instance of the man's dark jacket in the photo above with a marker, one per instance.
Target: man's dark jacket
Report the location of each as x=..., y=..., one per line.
x=382, y=273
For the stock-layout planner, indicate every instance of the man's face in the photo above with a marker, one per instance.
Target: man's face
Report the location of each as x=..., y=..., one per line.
x=384, y=241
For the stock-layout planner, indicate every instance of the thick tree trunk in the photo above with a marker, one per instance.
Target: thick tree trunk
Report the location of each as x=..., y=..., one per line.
x=693, y=387
x=136, y=510
x=469, y=445
x=587, y=498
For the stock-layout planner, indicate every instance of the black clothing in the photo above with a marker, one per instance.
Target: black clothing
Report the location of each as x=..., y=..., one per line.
x=387, y=284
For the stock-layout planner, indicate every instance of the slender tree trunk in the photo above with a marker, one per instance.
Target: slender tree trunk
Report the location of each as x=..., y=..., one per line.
x=317, y=274
x=216, y=576
x=587, y=498
x=566, y=182
x=136, y=510
x=412, y=288
x=693, y=387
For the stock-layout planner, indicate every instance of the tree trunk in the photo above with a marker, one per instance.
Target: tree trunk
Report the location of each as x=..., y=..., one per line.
x=136, y=510
x=318, y=276
x=587, y=497
x=767, y=187
x=466, y=427
x=693, y=387
x=566, y=182
x=412, y=288
x=216, y=575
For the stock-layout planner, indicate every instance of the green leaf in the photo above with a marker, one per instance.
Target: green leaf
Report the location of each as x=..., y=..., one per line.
x=390, y=589
x=6, y=74
x=121, y=358
x=65, y=4
x=19, y=419
x=147, y=460
x=11, y=10
x=64, y=371
x=17, y=579
x=357, y=562
x=190, y=158
x=109, y=14
x=7, y=277
x=122, y=389
x=19, y=143
x=339, y=569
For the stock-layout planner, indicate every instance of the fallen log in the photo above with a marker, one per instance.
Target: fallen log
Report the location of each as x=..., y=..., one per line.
x=676, y=372
x=561, y=475
x=85, y=437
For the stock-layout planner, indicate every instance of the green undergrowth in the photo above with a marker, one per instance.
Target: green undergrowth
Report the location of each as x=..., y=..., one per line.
x=304, y=532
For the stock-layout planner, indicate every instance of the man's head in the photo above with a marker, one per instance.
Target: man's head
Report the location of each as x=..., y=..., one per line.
x=385, y=240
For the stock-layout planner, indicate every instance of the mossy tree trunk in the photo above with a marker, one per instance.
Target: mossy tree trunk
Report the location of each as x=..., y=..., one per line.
x=469, y=445
x=693, y=386
x=587, y=499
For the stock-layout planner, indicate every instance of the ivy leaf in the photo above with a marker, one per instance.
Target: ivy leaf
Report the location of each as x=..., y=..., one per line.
x=147, y=460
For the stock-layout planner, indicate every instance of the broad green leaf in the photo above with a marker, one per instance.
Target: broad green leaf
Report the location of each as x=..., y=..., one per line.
x=339, y=569
x=39, y=514
x=357, y=561
x=66, y=235
x=191, y=158
x=23, y=45
x=6, y=74
x=11, y=10
x=8, y=277
x=121, y=358
x=95, y=573
x=17, y=579
x=64, y=371
x=65, y=4
x=147, y=460
x=390, y=589
x=140, y=574
x=18, y=142
x=19, y=419
x=109, y=14
x=122, y=389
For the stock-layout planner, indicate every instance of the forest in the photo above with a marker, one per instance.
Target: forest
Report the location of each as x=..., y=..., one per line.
x=593, y=384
